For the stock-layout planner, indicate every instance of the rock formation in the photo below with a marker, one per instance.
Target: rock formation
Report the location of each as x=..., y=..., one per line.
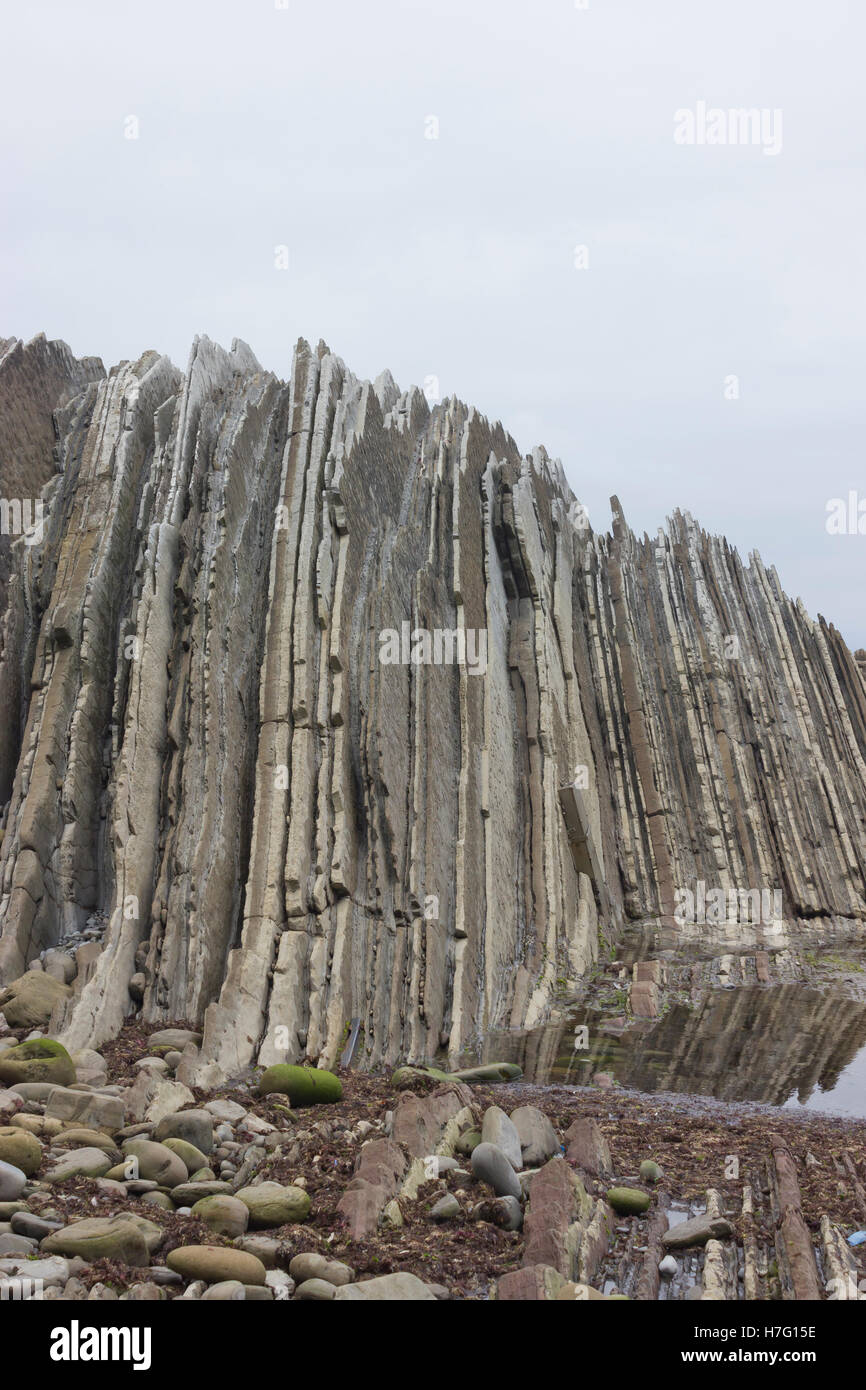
x=326, y=705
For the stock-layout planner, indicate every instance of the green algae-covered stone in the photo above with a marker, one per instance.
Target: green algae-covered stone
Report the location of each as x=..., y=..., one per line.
x=40, y=1059
x=628, y=1201
x=303, y=1085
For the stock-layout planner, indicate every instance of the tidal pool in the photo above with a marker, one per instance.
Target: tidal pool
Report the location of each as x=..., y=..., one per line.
x=783, y=1045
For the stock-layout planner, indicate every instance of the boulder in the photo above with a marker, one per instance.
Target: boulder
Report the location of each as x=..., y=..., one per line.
x=303, y=1085
x=697, y=1232
x=88, y=1139
x=90, y=1067
x=467, y=1142
x=270, y=1204
x=21, y=1149
x=173, y=1038
x=586, y=1146
x=29, y=1001
x=101, y=1238
x=188, y=1193
x=86, y=1109
x=315, y=1266
x=226, y=1215
x=167, y=1099
x=497, y=1128
x=39, y=1059
x=628, y=1201
x=315, y=1291
x=157, y=1162
x=538, y=1139
x=188, y=1154
x=492, y=1166
x=83, y=1163
x=215, y=1264
x=12, y=1182
x=192, y=1126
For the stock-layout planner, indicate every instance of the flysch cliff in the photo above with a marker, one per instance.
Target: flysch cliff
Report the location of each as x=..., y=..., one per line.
x=322, y=705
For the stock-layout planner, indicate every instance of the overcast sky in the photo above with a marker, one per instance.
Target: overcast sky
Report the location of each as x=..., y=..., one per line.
x=307, y=126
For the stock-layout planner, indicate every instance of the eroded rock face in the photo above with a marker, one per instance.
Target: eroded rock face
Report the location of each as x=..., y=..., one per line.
x=330, y=706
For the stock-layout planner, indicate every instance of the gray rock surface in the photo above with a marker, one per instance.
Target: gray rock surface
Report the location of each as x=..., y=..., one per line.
x=217, y=783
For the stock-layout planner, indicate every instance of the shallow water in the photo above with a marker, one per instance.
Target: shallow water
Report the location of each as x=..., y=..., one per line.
x=784, y=1045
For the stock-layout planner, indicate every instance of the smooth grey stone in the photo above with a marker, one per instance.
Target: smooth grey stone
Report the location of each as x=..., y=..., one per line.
x=492, y=1166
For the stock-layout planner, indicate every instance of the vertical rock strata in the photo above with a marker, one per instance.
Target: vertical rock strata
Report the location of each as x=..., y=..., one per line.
x=223, y=753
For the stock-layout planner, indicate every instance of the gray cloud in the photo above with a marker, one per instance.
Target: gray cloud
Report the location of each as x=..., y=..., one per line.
x=455, y=257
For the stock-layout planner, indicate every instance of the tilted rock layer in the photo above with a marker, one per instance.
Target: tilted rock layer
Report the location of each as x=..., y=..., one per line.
x=264, y=821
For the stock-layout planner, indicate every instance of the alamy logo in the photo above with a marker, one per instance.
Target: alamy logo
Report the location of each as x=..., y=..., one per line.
x=16, y=1288
x=846, y=516
x=21, y=516
x=461, y=646
x=77, y=1343
x=714, y=125
x=721, y=907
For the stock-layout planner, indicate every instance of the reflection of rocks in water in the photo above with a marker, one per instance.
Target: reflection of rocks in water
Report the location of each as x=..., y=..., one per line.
x=749, y=1044
x=736, y=1045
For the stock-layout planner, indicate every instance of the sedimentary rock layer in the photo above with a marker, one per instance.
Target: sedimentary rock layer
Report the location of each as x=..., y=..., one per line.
x=328, y=705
